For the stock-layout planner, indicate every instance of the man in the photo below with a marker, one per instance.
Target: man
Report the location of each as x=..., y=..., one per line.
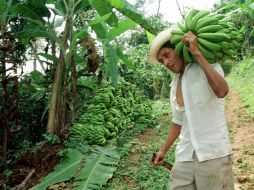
x=203, y=155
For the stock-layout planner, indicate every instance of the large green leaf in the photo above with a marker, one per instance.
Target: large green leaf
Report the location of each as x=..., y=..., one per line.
x=64, y=171
x=124, y=57
x=80, y=34
x=122, y=27
x=25, y=11
x=36, y=33
x=111, y=62
x=99, y=167
x=130, y=11
x=100, y=19
x=2, y=8
x=37, y=76
x=103, y=8
x=49, y=57
x=39, y=7
x=99, y=28
x=150, y=36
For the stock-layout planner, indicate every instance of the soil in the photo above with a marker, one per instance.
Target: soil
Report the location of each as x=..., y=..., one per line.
x=242, y=136
x=42, y=161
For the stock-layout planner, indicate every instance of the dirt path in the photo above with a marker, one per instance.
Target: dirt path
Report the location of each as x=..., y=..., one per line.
x=242, y=128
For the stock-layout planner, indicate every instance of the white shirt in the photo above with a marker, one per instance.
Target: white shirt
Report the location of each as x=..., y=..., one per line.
x=204, y=128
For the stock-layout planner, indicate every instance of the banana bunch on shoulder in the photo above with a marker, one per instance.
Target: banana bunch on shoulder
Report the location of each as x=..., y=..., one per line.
x=217, y=38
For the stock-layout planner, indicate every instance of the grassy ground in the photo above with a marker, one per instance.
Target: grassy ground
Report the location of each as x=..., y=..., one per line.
x=135, y=170
x=241, y=78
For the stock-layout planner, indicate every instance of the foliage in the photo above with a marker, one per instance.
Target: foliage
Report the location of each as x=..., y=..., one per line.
x=33, y=96
x=51, y=139
x=88, y=167
x=227, y=66
x=135, y=170
x=241, y=14
x=148, y=77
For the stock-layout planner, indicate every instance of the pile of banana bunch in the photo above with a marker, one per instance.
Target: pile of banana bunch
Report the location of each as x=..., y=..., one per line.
x=217, y=38
x=111, y=110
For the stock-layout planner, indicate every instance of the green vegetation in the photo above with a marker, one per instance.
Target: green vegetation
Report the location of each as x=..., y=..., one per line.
x=135, y=169
x=241, y=78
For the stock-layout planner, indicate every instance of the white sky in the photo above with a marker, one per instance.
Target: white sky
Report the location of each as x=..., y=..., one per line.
x=169, y=8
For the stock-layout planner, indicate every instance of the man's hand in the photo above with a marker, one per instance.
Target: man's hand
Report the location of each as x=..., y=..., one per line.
x=191, y=40
x=159, y=156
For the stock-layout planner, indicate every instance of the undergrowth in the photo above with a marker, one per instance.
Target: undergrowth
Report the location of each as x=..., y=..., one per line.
x=135, y=170
x=241, y=78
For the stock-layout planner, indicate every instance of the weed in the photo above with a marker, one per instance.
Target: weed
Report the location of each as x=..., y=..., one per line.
x=51, y=139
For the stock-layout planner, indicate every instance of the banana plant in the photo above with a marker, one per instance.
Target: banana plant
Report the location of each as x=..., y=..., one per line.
x=103, y=22
x=107, y=27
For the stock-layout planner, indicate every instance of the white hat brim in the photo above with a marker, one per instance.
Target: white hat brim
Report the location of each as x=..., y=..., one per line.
x=163, y=37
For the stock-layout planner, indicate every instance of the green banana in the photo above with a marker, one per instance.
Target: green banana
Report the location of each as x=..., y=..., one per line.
x=176, y=39
x=178, y=32
x=214, y=37
x=224, y=30
x=186, y=55
x=209, y=45
x=196, y=18
x=206, y=21
x=182, y=27
x=218, y=54
x=234, y=33
x=188, y=20
x=225, y=45
x=236, y=44
x=205, y=52
x=210, y=28
x=229, y=52
x=179, y=48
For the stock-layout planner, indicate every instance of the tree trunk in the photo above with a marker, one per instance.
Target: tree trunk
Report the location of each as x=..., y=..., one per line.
x=4, y=115
x=55, y=111
x=73, y=91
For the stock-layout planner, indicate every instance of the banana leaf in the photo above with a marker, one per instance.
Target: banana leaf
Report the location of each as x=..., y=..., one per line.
x=103, y=9
x=111, y=59
x=131, y=12
x=122, y=27
x=99, y=167
x=64, y=171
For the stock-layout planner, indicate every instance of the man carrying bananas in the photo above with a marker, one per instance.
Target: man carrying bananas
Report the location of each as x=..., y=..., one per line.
x=203, y=158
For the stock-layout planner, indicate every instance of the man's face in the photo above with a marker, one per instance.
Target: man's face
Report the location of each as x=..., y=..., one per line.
x=170, y=60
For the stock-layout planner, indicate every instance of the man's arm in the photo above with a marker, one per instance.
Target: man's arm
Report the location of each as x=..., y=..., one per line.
x=172, y=136
x=215, y=80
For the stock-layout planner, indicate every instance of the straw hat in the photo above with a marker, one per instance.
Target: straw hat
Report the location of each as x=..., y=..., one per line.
x=157, y=42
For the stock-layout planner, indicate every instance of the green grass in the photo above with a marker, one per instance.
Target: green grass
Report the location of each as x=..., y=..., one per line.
x=242, y=79
x=135, y=170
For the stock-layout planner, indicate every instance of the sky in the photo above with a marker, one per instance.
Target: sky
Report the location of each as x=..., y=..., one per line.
x=169, y=8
